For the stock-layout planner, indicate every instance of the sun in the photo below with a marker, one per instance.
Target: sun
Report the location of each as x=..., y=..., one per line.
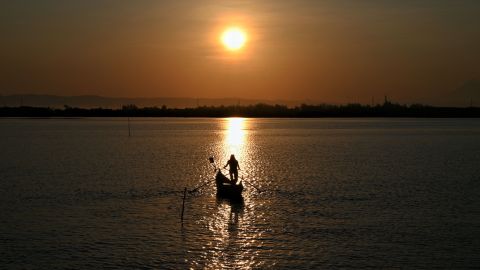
x=234, y=38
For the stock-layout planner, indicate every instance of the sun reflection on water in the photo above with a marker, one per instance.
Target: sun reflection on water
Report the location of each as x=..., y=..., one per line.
x=235, y=136
x=234, y=237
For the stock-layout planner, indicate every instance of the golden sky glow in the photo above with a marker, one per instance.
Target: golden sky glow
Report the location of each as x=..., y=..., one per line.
x=302, y=50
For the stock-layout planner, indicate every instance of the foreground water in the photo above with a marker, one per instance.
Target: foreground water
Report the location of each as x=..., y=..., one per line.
x=337, y=193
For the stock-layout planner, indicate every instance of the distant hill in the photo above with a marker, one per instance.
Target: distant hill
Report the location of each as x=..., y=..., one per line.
x=469, y=92
x=465, y=95
x=53, y=101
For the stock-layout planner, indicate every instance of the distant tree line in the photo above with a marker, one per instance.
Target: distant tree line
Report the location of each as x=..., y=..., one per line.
x=387, y=109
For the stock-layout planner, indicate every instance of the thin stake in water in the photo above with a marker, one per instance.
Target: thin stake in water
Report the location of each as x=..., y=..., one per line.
x=129, y=133
x=183, y=204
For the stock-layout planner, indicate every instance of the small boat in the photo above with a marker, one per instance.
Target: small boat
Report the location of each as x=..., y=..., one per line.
x=225, y=187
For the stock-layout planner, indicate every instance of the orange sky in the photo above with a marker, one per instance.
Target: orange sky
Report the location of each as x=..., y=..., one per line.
x=322, y=51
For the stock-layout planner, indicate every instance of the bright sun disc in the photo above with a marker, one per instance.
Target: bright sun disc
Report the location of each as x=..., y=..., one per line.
x=234, y=39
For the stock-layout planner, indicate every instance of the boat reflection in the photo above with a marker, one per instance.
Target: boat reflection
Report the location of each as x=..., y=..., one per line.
x=236, y=210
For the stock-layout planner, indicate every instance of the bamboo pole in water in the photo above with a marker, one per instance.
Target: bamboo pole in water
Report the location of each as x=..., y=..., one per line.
x=183, y=204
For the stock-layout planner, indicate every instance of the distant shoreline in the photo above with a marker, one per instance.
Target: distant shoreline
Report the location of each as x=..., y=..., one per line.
x=252, y=111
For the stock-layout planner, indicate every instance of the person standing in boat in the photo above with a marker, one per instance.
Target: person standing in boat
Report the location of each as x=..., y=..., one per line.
x=234, y=167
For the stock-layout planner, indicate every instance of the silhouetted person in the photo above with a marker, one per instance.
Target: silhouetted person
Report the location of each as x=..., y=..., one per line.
x=234, y=167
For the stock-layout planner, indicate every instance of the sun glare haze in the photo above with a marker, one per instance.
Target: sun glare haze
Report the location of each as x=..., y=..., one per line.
x=234, y=38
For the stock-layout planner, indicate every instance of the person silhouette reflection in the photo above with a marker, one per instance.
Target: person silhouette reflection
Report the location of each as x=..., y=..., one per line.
x=234, y=167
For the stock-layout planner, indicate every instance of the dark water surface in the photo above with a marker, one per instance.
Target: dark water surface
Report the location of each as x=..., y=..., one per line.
x=339, y=193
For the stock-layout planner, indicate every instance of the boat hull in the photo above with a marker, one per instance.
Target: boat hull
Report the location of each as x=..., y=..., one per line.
x=226, y=189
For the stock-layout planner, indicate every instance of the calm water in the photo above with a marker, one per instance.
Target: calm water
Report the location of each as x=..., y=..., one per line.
x=339, y=193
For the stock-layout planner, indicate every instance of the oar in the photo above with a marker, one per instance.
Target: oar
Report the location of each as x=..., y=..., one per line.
x=258, y=189
x=243, y=179
x=204, y=184
x=212, y=162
